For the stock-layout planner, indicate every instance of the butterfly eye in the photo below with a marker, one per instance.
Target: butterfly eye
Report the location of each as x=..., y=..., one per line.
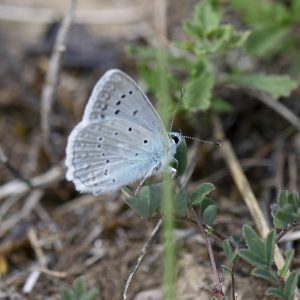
x=175, y=139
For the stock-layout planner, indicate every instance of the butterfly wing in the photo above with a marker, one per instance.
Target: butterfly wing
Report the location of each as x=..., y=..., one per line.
x=117, y=95
x=103, y=156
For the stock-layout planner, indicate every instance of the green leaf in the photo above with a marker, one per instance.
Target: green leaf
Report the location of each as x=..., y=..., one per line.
x=67, y=294
x=209, y=214
x=289, y=257
x=253, y=241
x=290, y=286
x=265, y=274
x=251, y=258
x=275, y=292
x=285, y=214
x=269, y=247
x=228, y=250
x=276, y=85
x=181, y=204
x=198, y=92
x=90, y=295
x=283, y=198
x=261, y=13
x=295, y=6
x=286, y=211
x=201, y=192
x=278, y=223
x=238, y=39
x=267, y=39
x=148, y=203
x=181, y=156
x=79, y=286
x=207, y=16
x=205, y=203
x=226, y=269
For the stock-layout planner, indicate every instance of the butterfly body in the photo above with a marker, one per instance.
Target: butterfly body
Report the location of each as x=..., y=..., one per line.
x=120, y=139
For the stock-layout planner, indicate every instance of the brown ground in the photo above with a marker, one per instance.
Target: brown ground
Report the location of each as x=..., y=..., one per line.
x=100, y=237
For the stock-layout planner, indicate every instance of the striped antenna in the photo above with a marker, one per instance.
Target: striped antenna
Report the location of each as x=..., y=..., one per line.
x=203, y=141
x=176, y=109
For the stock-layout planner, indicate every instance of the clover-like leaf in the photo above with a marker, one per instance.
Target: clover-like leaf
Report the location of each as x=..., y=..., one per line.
x=290, y=285
x=266, y=274
x=253, y=241
x=209, y=214
x=201, y=192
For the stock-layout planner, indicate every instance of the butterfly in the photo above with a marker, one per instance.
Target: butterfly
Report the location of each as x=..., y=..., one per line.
x=120, y=139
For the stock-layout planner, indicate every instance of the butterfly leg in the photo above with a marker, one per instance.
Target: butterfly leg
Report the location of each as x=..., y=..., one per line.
x=146, y=176
x=172, y=171
x=175, y=161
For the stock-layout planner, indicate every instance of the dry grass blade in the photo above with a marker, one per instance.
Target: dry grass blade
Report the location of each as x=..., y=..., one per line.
x=245, y=189
x=42, y=15
x=11, y=168
x=281, y=109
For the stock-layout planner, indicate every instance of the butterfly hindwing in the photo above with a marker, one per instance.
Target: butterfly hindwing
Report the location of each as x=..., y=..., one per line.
x=103, y=156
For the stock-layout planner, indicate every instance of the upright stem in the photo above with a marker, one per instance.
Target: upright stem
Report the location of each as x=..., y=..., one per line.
x=218, y=291
x=163, y=97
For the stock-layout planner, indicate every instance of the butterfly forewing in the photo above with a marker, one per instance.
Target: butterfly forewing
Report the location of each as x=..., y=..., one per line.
x=117, y=95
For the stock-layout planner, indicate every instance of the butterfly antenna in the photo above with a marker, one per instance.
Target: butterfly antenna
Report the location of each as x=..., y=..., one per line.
x=203, y=141
x=176, y=109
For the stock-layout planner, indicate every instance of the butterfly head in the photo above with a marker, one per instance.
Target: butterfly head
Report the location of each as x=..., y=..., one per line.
x=176, y=138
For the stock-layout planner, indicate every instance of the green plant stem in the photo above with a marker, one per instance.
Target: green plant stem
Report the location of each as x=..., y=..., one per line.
x=169, y=247
x=169, y=262
x=218, y=291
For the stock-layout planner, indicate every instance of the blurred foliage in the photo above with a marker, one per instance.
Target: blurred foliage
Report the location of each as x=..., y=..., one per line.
x=79, y=292
x=273, y=26
x=287, y=210
x=197, y=62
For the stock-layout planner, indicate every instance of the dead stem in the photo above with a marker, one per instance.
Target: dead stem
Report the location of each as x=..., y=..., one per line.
x=19, y=188
x=52, y=75
x=11, y=168
x=141, y=256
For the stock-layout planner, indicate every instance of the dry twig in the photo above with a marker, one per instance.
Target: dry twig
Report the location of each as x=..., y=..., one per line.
x=18, y=188
x=53, y=72
x=11, y=168
x=141, y=256
x=32, y=235
x=29, y=204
